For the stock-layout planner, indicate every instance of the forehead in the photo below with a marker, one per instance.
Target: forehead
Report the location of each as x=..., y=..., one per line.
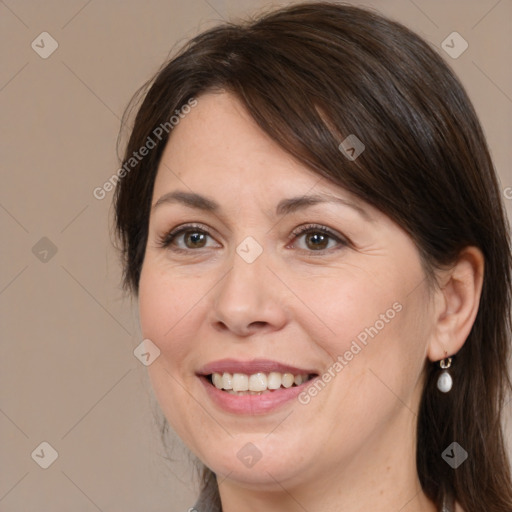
x=218, y=140
x=217, y=150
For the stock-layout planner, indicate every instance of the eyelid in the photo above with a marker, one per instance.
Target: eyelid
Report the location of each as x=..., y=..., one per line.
x=300, y=230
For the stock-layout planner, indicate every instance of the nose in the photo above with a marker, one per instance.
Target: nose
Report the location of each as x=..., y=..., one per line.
x=249, y=299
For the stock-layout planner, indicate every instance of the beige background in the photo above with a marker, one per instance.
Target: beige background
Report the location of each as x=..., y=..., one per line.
x=68, y=375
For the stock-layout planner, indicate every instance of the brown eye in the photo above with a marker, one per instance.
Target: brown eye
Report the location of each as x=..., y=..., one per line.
x=317, y=238
x=185, y=239
x=196, y=238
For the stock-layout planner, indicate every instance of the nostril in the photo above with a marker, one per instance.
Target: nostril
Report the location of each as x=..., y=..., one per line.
x=257, y=324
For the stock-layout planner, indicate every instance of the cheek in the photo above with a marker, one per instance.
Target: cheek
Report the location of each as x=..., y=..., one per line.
x=373, y=321
x=166, y=305
x=350, y=307
x=157, y=309
x=161, y=306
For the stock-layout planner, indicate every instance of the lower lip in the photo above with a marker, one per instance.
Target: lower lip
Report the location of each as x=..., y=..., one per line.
x=252, y=404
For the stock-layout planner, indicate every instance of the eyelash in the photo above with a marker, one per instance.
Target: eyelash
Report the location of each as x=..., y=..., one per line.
x=166, y=240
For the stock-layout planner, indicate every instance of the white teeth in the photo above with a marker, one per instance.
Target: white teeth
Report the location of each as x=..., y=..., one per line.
x=227, y=381
x=287, y=380
x=274, y=380
x=240, y=382
x=256, y=383
x=217, y=380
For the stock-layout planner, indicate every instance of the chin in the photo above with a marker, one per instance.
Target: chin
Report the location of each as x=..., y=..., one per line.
x=258, y=465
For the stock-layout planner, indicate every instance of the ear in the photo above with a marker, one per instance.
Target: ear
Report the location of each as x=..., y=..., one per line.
x=456, y=304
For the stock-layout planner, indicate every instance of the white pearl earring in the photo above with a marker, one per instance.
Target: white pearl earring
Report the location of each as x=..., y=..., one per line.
x=445, y=381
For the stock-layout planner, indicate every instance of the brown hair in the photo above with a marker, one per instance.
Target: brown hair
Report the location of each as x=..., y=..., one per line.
x=310, y=75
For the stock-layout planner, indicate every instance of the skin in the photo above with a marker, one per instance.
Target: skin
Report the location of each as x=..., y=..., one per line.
x=352, y=447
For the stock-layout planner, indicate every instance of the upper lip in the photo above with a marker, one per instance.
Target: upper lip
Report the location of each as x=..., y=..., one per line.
x=250, y=367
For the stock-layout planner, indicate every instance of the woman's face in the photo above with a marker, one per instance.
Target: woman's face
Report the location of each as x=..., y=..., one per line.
x=241, y=291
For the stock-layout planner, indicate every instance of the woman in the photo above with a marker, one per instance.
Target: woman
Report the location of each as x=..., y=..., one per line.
x=311, y=221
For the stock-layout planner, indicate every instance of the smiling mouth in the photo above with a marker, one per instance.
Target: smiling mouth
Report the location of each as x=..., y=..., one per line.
x=260, y=383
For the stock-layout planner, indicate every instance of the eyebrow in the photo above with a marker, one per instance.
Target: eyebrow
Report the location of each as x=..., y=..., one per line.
x=285, y=206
